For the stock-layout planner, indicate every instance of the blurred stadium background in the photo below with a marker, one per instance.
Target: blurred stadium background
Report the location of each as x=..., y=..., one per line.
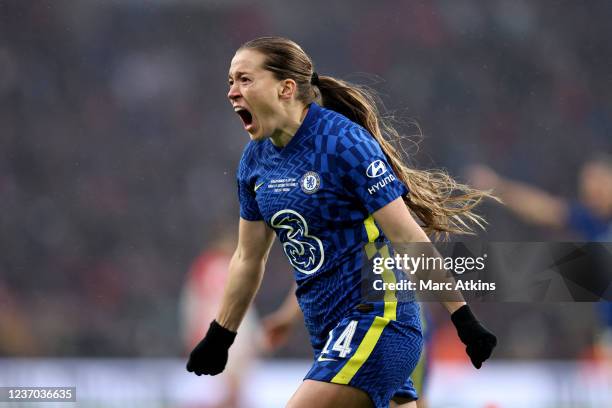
x=118, y=152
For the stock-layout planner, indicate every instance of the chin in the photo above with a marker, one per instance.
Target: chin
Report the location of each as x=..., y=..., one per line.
x=257, y=136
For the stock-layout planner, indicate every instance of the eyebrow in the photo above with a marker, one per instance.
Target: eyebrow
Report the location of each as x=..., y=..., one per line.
x=238, y=74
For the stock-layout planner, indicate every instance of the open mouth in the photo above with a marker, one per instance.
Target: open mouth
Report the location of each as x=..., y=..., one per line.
x=246, y=116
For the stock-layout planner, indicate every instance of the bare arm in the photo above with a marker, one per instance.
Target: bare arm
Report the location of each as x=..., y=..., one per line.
x=399, y=226
x=530, y=203
x=245, y=272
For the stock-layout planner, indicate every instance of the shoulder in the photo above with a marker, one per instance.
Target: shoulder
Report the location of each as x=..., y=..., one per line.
x=338, y=133
x=578, y=214
x=584, y=221
x=336, y=123
x=249, y=158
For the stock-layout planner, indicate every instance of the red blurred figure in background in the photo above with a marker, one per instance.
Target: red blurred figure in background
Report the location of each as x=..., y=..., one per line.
x=200, y=300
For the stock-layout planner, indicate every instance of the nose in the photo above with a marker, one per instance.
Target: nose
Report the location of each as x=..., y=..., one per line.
x=233, y=92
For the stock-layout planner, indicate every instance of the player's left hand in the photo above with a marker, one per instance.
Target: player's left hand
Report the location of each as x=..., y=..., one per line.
x=479, y=341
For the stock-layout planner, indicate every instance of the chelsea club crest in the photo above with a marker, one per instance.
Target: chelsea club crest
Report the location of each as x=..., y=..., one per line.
x=310, y=182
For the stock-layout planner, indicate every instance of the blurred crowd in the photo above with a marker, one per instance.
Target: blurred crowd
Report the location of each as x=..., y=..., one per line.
x=118, y=148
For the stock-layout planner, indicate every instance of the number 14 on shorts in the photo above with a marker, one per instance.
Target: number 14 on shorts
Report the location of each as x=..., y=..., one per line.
x=342, y=344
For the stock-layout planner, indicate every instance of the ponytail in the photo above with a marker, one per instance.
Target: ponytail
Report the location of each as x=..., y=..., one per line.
x=441, y=204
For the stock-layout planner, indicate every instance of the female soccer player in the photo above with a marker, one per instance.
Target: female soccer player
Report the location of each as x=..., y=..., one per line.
x=319, y=173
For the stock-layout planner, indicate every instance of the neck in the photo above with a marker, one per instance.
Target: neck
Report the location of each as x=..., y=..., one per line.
x=294, y=116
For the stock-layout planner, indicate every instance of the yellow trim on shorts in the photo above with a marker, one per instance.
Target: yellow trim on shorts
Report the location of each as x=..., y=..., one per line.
x=346, y=374
x=348, y=371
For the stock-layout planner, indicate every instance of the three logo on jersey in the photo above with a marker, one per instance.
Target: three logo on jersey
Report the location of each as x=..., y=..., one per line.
x=305, y=252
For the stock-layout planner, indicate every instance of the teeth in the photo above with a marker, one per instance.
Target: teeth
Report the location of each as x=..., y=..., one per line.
x=238, y=109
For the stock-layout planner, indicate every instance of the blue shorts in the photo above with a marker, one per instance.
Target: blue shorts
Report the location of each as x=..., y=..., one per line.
x=420, y=375
x=375, y=348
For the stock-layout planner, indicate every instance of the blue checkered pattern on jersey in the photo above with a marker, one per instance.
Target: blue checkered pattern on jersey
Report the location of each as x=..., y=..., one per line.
x=322, y=231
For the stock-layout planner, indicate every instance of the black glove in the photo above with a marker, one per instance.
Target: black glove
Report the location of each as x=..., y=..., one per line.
x=479, y=341
x=210, y=355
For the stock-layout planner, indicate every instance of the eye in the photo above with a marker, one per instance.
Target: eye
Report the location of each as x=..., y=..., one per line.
x=245, y=80
x=230, y=82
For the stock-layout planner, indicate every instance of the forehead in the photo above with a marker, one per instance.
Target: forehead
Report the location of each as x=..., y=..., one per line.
x=246, y=61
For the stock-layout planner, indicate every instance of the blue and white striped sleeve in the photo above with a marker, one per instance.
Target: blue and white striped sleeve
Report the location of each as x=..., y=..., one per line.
x=249, y=209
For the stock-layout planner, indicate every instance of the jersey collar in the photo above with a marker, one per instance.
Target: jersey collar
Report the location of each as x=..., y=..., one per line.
x=303, y=130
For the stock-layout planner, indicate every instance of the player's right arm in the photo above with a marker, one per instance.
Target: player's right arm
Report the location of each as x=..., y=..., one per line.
x=245, y=273
x=530, y=203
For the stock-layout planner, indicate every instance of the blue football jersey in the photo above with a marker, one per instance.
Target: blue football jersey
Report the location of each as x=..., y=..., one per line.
x=318, y=194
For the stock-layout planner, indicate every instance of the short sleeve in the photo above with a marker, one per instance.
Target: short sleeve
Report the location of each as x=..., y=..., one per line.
x=365, y=171
x=249, y=210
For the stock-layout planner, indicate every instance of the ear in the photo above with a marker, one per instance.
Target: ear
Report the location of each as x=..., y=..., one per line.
x=287, y=89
